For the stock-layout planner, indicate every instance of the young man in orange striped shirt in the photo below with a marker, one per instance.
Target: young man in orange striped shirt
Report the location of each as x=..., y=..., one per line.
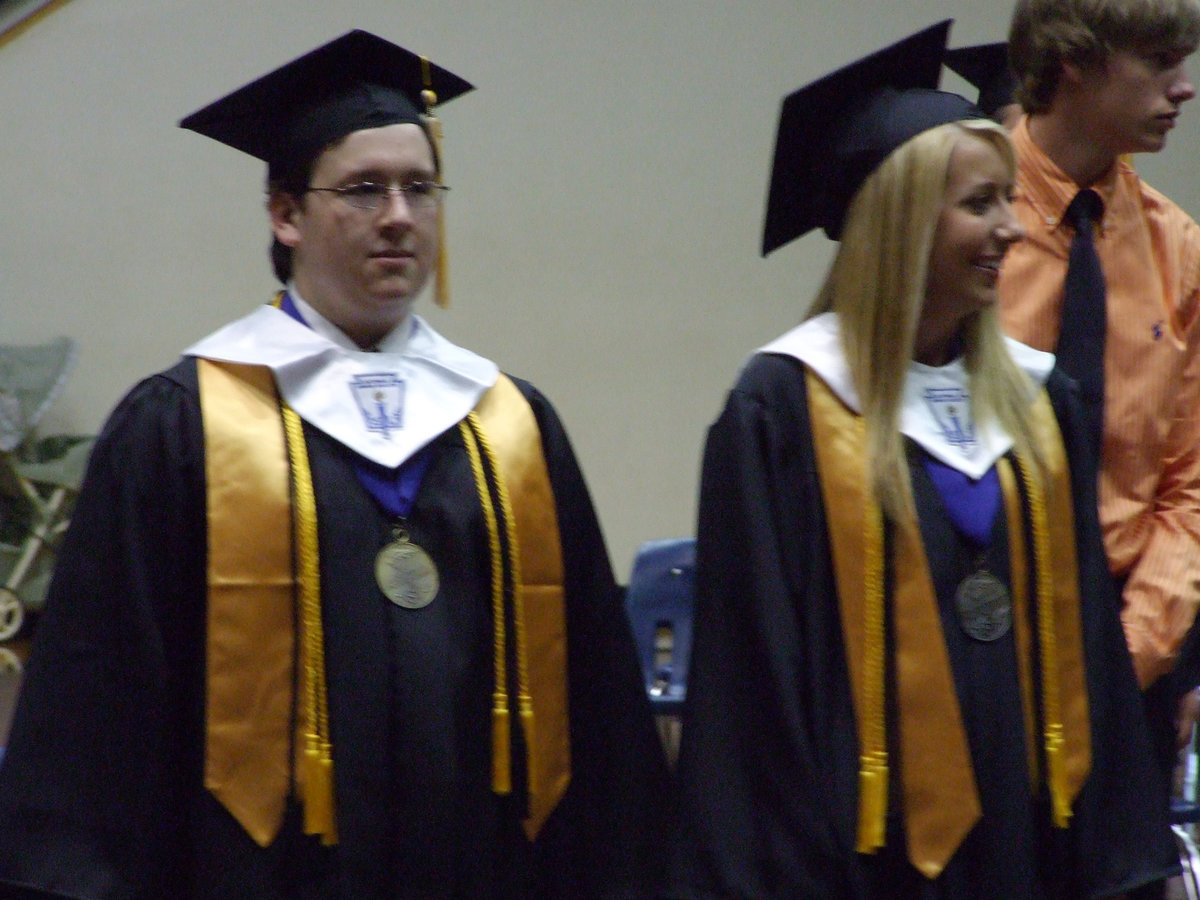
x=1098, y=80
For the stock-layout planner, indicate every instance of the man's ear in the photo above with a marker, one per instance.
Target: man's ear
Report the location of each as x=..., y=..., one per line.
x=284, y=210
x=1072, y=73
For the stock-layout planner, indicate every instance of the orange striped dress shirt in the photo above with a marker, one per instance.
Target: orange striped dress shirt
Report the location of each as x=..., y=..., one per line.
x=1150, y=471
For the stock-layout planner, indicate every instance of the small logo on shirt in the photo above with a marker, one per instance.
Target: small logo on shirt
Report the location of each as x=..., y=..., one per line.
x=380, y=399
x=951, y=408
x=1157, y=330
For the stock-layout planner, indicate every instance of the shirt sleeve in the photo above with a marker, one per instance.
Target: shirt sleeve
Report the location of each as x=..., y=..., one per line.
x=1162, y=588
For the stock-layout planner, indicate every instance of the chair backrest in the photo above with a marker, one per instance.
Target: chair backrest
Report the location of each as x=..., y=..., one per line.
x=30, y=379
x=659, y=602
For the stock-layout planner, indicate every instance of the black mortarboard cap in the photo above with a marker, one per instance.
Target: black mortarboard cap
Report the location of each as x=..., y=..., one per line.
x=986, y=67
x=835, y=132
x=356, y=81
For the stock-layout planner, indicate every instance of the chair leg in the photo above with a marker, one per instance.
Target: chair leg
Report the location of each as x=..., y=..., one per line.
x=668, y=733
x=1189, y=856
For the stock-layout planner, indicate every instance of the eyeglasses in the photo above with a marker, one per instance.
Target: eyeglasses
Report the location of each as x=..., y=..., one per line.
x=372, y=195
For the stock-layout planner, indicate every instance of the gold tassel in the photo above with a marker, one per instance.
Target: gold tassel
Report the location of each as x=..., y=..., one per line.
x=872, y=802
x=441, y=272
x=526, y=703
x=317, y=777
x=501, y=743
x=1056, y=774
x=441, y=275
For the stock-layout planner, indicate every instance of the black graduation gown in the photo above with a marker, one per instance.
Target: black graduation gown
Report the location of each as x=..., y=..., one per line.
x=101, y=791
x=768, y=769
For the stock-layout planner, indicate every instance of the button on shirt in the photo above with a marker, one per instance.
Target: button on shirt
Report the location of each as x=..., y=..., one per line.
x=1149, y=483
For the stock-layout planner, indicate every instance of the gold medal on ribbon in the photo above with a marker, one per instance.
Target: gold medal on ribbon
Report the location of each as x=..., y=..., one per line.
x=405, y=573
x=984, y=606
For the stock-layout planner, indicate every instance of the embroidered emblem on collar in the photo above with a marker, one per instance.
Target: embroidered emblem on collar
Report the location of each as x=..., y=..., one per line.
x=951, y=409
x=380, y=399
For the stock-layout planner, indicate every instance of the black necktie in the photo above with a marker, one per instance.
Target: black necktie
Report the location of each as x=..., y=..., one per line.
x=1080, y=349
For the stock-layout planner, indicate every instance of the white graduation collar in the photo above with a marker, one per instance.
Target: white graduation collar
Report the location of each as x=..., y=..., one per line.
x=383, y=405
x=936, y=406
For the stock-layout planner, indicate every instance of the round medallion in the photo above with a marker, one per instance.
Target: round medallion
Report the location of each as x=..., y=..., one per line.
x=406, y=574
x=984, y=606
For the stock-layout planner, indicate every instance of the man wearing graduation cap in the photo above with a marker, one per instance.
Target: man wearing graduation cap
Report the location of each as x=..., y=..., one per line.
x=908, y=677
x=1108, y=277
x=334, y=618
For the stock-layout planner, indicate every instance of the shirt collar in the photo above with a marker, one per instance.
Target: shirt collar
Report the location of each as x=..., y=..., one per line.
x=395, y=341
x=1046, y=187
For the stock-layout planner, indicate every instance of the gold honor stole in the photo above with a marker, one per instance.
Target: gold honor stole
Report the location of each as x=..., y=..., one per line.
x=263, y=579
x=940, y=799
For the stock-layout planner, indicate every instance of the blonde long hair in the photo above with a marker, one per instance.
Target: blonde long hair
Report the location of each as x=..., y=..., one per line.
x=876, y=286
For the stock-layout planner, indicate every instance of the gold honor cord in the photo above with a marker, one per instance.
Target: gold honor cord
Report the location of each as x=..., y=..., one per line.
x=482, y=462
x=441, y=289
x=315, y=764
x=858, y=566
x=524, y=700
x=1066, y=727
x=501, y=735
x=1051, y=699
x=509, y=433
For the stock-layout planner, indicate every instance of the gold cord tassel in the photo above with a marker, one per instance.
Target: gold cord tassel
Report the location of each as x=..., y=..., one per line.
x=872, y=801
x=316, y=774
x=501, y=742
x=1057, y=775
x=526, y=706
x=441, y=283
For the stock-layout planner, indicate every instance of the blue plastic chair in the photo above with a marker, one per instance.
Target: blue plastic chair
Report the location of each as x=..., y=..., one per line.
x=659, y=602
x=1185, y=817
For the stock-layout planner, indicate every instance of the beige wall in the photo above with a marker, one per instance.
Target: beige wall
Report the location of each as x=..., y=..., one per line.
x=608, y=174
